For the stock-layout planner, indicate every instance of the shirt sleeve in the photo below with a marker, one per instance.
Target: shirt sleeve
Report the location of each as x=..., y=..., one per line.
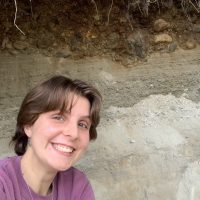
x=87, y=193
x=73, y=184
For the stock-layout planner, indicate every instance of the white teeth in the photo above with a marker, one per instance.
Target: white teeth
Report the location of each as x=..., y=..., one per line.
x=63, y=148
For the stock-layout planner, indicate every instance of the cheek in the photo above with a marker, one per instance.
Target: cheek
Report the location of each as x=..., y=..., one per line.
x=85, y=141
x=43, y=135
x=49, y=131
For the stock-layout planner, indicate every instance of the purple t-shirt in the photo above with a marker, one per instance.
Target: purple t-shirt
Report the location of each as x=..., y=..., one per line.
x=71, y=184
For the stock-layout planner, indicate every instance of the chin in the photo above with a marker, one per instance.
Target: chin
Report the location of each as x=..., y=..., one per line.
x=63, y=167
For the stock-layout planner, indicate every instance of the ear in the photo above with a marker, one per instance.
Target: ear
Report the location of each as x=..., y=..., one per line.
x=28, y=130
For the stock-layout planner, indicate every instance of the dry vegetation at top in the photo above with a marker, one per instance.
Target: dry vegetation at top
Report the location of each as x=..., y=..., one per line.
x=129, y=29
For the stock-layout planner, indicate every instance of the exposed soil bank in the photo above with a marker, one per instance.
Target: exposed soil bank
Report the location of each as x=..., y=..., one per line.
x=148, y=144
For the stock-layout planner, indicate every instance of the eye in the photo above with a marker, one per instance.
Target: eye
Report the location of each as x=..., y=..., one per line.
x=83, y=125
x=59, y=117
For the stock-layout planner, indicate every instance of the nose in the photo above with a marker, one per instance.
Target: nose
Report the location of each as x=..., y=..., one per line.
x=71, y=130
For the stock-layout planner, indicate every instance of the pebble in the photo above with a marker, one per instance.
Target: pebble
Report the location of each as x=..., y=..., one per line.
x=13, y=52
x=113, y=40
x=132, y=141
x=172, y=47
x=4, y=42
x=20, y=45
x=63, y=53
x=163, y=37
x=196, y=28
x=161, y=25
x=43, y=43
x=190, y=45
x=137, y=45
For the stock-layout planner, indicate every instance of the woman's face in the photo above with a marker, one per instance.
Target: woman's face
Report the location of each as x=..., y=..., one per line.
x=58, y=140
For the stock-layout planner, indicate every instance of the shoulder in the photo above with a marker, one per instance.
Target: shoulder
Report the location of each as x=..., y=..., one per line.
x=77, y=183
x=9, y=168
x=8, y=176
x=74, y=175
x=8, y=163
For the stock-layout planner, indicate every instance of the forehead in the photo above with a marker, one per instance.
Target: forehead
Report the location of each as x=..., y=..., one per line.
x=73, y=101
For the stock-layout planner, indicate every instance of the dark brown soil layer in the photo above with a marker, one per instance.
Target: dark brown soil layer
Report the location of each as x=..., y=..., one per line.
x=124, y=30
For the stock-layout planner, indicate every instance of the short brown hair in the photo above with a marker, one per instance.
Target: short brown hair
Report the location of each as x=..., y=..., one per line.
x=53, y=94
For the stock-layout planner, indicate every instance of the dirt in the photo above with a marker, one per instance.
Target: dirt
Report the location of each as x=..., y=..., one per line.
x=82, y=28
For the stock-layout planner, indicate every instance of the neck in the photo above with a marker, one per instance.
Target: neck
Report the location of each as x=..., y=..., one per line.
x=36, y=176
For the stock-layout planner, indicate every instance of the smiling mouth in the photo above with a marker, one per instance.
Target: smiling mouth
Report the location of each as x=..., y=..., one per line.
x=63, y=148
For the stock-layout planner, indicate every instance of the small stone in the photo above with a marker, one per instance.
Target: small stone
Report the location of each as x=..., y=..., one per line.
x=63, y=53
x=163, y=37
x=151, y=85
x=43, y=44
x=172, y=47
x=20, y=45
x=190, y=45
x=161, y=25
x=45, y=40
x=113, y=39
x=127, y=62
x=137, y=45
x=196, y=28
x=4, y=42
x=89, y=35
x=13, y=52
x=132, y=141
x=117, y=58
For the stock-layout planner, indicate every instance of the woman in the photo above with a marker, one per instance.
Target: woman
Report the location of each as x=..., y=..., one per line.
x=55, y=123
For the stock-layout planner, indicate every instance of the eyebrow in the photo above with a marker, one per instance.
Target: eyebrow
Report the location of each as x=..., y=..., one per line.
x=84, y=116
x=87, y=117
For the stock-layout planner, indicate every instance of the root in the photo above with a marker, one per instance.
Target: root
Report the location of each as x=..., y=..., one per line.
x=185, y=3
x=128, y=17
x=16, y=18
x=195, y=7
x=31, y=8
x=109, y=13
x=95, y=5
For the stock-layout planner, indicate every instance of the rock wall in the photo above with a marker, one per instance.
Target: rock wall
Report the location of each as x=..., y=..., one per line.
x=149, y=136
